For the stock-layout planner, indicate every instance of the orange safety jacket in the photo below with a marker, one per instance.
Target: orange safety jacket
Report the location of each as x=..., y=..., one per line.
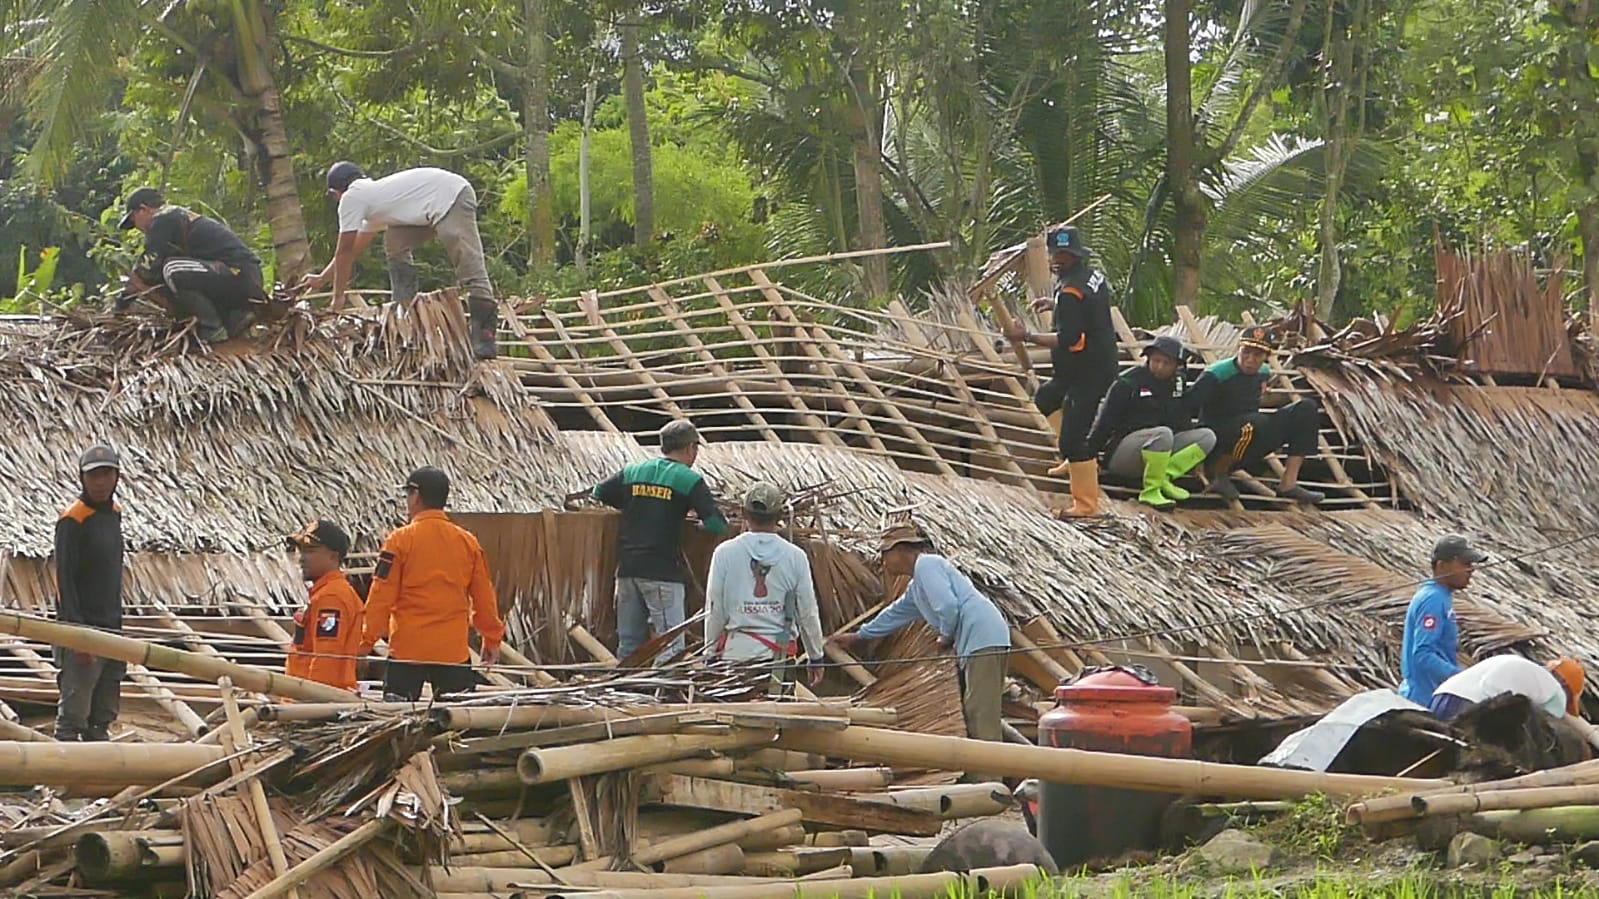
x=430, y=582
x=327, y=633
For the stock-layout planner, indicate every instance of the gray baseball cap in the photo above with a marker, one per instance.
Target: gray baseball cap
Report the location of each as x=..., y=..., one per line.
x=1453, y=547
x=97, y=457
x=680, y=434
x=764, y=498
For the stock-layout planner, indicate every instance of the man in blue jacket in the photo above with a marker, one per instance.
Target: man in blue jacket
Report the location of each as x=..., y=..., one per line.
x=1432, y=639
x=964, y=619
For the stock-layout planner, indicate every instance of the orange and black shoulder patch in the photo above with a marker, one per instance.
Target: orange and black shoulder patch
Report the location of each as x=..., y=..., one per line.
x=79, y=511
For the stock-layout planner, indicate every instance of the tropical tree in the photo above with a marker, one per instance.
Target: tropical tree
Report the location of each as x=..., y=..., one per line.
x=224, y=54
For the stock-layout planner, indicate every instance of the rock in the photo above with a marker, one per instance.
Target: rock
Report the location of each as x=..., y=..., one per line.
x=1547, y=859
x=1472, y=849
x=1587, y=854
x=1235, y=852
x=1524, y=857
x=988, y=843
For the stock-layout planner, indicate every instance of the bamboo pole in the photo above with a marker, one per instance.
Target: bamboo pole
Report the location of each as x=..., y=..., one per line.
x=323, y=859
x=554, y=856
x=717, y=767
x=724, y=859
x=1078, y=766
x=165, y=658
x=1496, y=800
x=794, y=862
x=1561, y=824
x=21, y=733
x=500, y=718
x=845, y=780
x=1395, y=808
x=887, y=861
x=554, y=763
x=235, y=740
x=482, y=780
x=63, y=764
x=953, y=801
x=780, y=760
x=731, y=832
x=596, y=650
x=836, y=838
x=499, y=880
x=117, y=855
x=979, y=882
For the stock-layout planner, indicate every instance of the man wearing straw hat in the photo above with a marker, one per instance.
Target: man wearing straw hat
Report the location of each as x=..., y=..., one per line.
x=758, y=589
x=1226, y=399
x=655, y=496
x=88, y=561
x=964, y=619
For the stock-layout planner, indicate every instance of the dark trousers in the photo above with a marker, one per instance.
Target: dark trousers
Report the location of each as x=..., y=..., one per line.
x=402, y=681
x=1077, y=396
x=1246, y=441
x=214, y=293
x=91, y=695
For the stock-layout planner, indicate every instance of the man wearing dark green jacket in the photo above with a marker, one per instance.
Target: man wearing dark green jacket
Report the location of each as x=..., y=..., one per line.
x=655, y=496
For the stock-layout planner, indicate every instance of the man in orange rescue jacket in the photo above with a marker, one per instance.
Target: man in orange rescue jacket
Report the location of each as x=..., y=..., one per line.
x=327, y=632
x=431, y=585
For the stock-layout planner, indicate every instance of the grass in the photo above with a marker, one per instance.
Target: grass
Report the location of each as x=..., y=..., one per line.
x=1324, y=885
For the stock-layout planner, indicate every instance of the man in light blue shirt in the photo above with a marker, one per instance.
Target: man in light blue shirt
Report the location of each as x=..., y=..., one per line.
x=1431, y=648
x=963, y=618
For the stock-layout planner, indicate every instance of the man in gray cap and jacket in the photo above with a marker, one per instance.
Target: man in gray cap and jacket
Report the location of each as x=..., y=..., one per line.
x=88, y=562
x=760, y=591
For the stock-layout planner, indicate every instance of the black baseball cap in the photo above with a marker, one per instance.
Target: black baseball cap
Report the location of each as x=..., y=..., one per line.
x=342, y=174
x=1453, y=547
x=320, y=533
x=432, y=484
x=1166, y=345
x=1067, y=239
x=1257, y=337
x=97, y=457
x=140, y=199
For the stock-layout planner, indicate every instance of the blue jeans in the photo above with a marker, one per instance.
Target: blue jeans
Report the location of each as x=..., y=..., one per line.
x=644, y=606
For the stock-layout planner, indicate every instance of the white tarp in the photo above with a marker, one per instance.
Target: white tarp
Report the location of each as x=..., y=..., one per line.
x=1315, y=747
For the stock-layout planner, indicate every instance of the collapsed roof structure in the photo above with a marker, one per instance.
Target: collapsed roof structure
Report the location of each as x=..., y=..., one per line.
x=1258, y=609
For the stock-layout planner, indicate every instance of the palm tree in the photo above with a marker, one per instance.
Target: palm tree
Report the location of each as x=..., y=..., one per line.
x=75, y=46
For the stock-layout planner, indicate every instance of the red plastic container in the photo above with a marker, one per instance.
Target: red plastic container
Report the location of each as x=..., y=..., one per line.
x=1115, y=710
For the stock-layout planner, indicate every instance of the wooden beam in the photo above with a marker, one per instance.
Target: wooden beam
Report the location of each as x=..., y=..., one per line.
x=816, y=808
x=715, y=365
x=822, y=431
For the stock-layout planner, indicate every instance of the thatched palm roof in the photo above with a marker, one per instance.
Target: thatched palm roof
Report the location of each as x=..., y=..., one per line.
x=223, y=450
x=326, y=414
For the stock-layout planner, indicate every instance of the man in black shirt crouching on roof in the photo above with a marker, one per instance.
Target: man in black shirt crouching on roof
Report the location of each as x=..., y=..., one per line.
x=211, y=275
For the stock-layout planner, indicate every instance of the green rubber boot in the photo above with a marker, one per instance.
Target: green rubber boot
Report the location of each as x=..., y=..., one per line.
x=1154, y=479
x=1182, y=462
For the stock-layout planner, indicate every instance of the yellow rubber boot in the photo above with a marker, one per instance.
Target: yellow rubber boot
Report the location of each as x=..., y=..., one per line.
x=1054, y=428
x=1085, y=490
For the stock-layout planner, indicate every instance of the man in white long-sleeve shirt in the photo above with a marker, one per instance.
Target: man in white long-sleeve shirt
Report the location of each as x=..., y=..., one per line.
x=759, y=588
x=963, y=618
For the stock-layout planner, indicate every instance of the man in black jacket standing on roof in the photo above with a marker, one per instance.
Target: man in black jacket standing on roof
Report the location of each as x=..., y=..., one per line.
x=210, y=273
x=1083, y=355
x=88, y=560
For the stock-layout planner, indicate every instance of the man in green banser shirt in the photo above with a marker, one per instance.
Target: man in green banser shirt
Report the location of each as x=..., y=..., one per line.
x=1226, y=398
x=655, y=496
